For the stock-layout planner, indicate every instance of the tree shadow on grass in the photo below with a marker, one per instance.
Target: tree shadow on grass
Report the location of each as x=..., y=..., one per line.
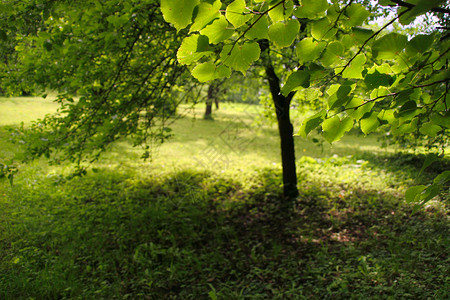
x=193, y=234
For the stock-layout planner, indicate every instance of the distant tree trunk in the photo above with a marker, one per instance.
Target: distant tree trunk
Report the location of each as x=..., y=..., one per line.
x=285, y=128
x=212, y=95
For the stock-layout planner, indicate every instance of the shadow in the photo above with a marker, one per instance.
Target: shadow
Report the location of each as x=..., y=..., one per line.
x=181, y=234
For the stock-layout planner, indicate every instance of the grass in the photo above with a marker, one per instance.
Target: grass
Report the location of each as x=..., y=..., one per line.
x=203, y=220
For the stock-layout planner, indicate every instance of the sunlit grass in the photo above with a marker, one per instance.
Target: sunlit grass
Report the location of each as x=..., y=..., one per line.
x=14, y=111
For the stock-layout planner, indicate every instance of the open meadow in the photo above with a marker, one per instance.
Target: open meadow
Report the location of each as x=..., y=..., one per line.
x=201, y=219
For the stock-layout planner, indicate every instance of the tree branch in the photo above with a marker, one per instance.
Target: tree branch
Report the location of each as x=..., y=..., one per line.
x=409, y=5
x=365, y=43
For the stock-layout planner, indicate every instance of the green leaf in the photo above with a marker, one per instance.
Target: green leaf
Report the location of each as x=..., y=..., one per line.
x=311, y=123
x=192, y=49
x=361, y=110
x=421, y=7
x=430, y=129
x=420, y=43
x=332, y=54
x=297, y=79
x=379, y=92
x=440, y=120
x=431, y=158
x=408, y=111
x=335, y=128
x=241, y=56
x=237, y=14
x=311, y=9
x=178, y=12
x=356, y=14
x=340, y=98
x=323, y=29
x=204, y=72
x=282, y=12
x=442, y=178
x=360, y=34
x=413, y=193
x=283, y=34
x=260, y=29
x=223, y=71
x=206, y=13
x=208, y=71
x=405, y=128
x=354, y=69
x=369, y=123
x=218, y=31
x=389, y=46
x=377, y=79
x=309, y=50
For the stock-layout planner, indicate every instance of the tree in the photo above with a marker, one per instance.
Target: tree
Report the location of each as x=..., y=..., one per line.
x=212, y=95
x=370, y=78
x=112, y=63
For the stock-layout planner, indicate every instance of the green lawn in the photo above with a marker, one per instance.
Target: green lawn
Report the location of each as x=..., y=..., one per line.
x=202, y=219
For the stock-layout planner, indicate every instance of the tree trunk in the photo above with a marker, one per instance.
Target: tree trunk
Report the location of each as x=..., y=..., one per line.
x=285, y=130
x=209, y=100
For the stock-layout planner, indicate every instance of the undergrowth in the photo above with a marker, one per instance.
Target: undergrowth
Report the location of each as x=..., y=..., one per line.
x=205, y=235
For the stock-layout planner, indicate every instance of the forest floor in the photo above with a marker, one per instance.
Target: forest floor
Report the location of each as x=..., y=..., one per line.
x=202, y=219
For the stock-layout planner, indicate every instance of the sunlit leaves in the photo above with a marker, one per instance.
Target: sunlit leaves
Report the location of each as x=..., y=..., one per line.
x=357, y=108
x=389, y=46
x=335, y=128
x=283, y=34
x=297, y=79
x=420, y=43
x=323, y=29
x=206, y=13
x=237, y=13
x=356, y=14
x=421, y=194
x=438, y=119
x=240, y=57
x=369, y=122
x=340, y=97
x=309, y=50
x=430, y=129
x=260, y=29
x=178, y=12
x=311, y=123
x=192, y=49
x=360, y=34
x=209, y=71
x=354, y=69
x=333, y=54
x=218, y=31
x=281, y=11
x=311, y=9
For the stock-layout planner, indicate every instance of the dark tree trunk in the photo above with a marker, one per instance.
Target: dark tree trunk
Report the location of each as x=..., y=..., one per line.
x=285, y=129
x=211, y=97
x=209, y=101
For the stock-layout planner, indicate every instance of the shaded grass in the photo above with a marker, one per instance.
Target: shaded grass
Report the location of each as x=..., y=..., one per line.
x=193, y=234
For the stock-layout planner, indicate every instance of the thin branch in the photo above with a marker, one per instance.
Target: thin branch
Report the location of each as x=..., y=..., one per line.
x=365, y=43
x=410, y=6
x=391, y=95
x=253, y=24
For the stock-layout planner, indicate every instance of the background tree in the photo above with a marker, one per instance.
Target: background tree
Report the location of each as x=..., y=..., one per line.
x=112, y=64
x=370, y=78
x=215, y=89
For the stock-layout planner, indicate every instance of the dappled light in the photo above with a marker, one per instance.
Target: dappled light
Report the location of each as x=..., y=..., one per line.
x=224, y=149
